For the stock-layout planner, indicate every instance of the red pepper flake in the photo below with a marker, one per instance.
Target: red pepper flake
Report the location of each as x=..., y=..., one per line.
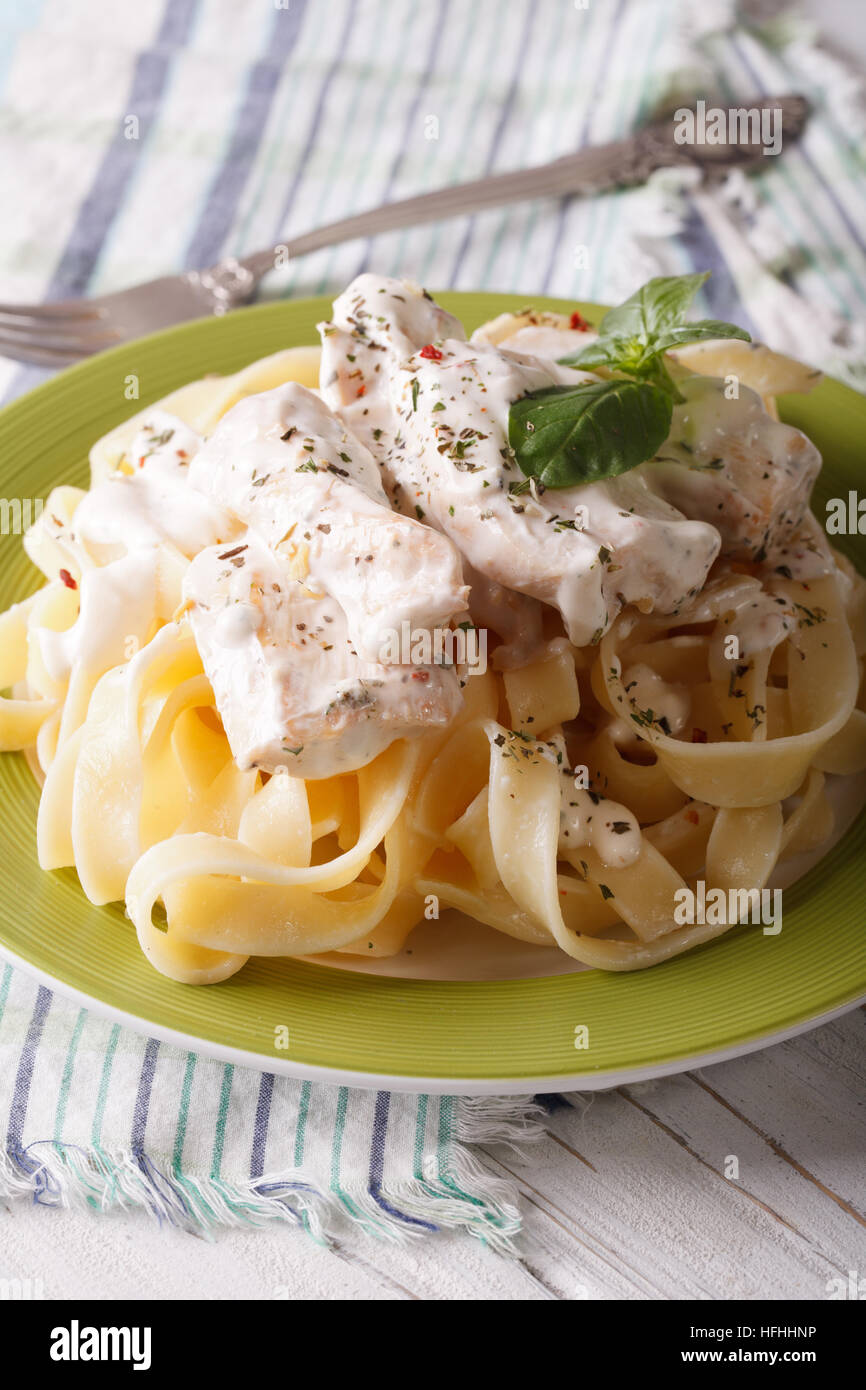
x=360, y=391
x=431, y=353
x=420, y=675
x=579, y=322
x=699, y=735
x=692, y=816
x=181, y=453
x=141, y=460
x=68, y=580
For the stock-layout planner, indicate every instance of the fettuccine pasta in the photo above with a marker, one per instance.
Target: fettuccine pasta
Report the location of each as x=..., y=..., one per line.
x=225, y=746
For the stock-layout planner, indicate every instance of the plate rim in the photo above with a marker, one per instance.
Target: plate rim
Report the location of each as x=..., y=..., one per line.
x=602, y=1080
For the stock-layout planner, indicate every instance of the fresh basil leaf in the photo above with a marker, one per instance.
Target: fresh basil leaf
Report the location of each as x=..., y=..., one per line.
x=604, y=352
x=629, y=357
x=566, y=435
x=697, y=333
x=634, y=335
x=658, y=304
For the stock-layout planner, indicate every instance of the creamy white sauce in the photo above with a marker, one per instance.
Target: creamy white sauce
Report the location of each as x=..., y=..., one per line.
x=805, y=556
x=290, y=469
x=548, y=344
x=318, y=527
x=437, y=420
x=119, y=609
x=667, y=702
x=731, y=464
x=290, y=688
x=126, y=544
x=598, y=823
x=759, y=619
x=154, y=504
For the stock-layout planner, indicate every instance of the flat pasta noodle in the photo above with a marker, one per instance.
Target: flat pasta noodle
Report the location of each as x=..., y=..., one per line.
x=225, y=889
x=821, y=695
x=20, y=718
x=755, y=365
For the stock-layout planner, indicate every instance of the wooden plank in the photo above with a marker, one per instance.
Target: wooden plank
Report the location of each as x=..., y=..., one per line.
x=83, y=1255
x=807, y=1099
x=653, y=1217
x=716, y=1135
x=571, y=1262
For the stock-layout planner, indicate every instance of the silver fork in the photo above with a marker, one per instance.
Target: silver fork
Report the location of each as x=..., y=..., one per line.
x=54, y=335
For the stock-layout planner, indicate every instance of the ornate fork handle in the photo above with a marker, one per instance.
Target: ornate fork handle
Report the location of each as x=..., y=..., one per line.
x=226, y=284
x=232, y=281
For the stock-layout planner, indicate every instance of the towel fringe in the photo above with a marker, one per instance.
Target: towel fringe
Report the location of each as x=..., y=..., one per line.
x=457, y=1192
x=509, y=1120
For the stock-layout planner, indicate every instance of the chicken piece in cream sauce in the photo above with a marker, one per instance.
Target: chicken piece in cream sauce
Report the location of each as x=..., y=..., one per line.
x=311, y=526
x=290, y=687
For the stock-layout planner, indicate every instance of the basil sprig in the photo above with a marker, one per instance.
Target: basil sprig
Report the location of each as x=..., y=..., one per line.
x=565, y=435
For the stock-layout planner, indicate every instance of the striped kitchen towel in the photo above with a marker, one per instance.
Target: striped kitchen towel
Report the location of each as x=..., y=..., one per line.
x=140, y=139
x=98, y=1115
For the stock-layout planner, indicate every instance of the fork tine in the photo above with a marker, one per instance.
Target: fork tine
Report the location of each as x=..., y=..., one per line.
x=65, y=309
x=24, y=350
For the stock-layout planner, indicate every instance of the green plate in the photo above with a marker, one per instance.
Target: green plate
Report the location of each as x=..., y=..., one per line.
x=506, y=1035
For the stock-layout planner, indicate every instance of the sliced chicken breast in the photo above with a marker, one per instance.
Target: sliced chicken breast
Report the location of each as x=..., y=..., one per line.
x=289, y=686
x=290, y=469
x=437, y=418
x=730, y=463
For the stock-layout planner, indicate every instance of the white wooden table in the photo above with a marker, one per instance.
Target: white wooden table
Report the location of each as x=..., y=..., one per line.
x=626, y=1196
